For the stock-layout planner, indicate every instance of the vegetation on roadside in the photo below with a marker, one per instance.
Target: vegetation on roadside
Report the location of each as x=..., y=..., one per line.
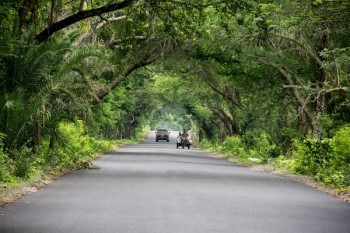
x=74, y=150
x=327, y=159
x=266, y=80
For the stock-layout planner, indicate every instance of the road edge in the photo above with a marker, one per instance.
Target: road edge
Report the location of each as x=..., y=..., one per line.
x=269, y=169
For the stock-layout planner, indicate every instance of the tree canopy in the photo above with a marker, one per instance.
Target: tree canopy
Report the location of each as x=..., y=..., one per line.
x=221, y=67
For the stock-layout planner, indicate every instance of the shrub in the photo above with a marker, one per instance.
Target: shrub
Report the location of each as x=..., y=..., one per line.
x=341, y=161
x=5, y=164
x=328, y=160
x=75, y=147
x=73, y=150
x=265, y=148
x=313, y=155
x=341, y=143
x=233, y=146
x=250, y=145
x=213, y=145
x=23, y=163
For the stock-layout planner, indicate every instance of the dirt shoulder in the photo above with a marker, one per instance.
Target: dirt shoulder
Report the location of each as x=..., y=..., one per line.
x=10, y=193
x=307, y=180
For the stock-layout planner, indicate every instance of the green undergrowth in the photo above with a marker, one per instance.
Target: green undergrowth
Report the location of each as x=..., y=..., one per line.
x=258, y=147
x=327, y=160
x=72, y=150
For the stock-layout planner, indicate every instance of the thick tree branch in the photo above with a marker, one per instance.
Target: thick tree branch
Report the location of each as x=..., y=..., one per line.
x=334, y=89
x=337, y=89
x=109, y=20
x=99, y=26
x=226, y=96
x=47, y=32
x=117, y=42
x=197, y=5
x=121, y=77
x=313, y=55
x=288, y=77
x=292, y=86
x=230, y=97
x=228, y=121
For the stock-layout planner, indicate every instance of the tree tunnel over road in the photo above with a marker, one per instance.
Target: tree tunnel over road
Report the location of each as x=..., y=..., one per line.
x=252, y=79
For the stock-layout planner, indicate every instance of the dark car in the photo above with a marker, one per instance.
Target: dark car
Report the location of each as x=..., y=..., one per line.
x=162, y=134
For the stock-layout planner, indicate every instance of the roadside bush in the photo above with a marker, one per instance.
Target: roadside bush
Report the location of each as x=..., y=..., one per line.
x=234, y=146
x=73, y=150
x=75, y=147
x=342, y=150
x=313, y=155
x=212, y=145
x=5, y=163
x=328, y=160
x=342, y=144
x=264, y=148
x=23, y=162
x=258, y=146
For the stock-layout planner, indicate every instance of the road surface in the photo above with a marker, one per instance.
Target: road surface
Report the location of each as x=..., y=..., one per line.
x=155, y=188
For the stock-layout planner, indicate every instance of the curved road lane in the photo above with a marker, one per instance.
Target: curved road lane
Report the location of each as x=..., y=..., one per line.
x=155, y=188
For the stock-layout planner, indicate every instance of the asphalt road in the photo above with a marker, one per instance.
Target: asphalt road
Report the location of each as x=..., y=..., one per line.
x=155, y=188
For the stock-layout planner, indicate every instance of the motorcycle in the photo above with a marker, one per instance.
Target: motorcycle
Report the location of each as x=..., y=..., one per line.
x=183, y=142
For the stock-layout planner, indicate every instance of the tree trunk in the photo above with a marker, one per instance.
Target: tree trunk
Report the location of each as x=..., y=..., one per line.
x=320, y=80
x=23, y=13
x=200, y=136
x=53, y=141
x=81, y=5
x=320, y=106
x=287, y=137
x=84, y=118
x=207, y=131
x=222, y=131
x=43, y=111
x=36, y=136
x=229, y=122
x=52, y=10
x=287, y=75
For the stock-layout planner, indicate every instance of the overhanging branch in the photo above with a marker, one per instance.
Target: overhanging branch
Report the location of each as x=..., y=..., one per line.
x=117, y=42
x=288, y=77
x=121, y=77
x=313, y=55
x=47, y=32
x=231, y=97
x=109, y=20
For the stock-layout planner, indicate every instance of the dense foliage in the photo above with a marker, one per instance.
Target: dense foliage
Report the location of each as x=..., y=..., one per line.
x=74, y=151
x=255, y=79
x=325, y=159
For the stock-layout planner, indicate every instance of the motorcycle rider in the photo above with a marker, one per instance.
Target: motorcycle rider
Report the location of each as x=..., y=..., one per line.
x=179, y=137
x=185, y=135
